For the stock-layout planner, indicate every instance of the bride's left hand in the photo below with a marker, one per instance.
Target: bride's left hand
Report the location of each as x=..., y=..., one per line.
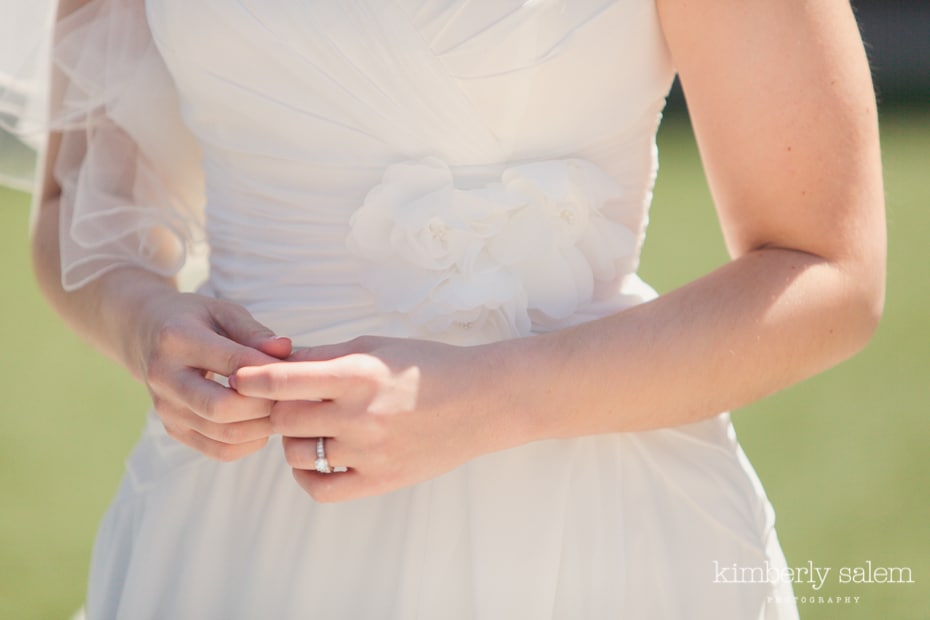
x=394, y=411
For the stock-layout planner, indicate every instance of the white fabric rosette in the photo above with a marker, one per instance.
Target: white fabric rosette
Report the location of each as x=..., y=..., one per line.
x=476, y=265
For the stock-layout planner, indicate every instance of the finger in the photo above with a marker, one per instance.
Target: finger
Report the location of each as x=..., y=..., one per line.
x=208, y=399
x=233, y=433
x=301, y=453
x=329, y=488
x=279, y=347
x=301, y=418
x=236, y=323
x=198, y=345
x=295, y=380
x=215, y=352
x=213, y=449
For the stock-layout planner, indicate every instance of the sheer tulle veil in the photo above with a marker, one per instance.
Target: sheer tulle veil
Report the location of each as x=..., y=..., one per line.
x=132, y=189
x=25, y=42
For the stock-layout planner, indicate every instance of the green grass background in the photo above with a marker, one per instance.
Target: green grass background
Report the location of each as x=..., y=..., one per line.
x=843, y=456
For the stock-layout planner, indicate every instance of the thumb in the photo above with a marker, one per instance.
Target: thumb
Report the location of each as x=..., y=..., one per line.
x=237, y=324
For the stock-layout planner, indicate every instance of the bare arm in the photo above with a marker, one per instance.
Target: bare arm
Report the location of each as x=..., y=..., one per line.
x=783, y=109
x=782, y=103
x=90, y=311
x=166, y=339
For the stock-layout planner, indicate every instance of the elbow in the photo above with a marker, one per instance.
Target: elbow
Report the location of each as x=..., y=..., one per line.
x=871, y=311
x=865, y=303
x=867, y=315
x=873, y=279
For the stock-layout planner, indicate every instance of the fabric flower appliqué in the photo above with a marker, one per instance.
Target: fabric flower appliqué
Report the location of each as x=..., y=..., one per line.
x=467, y=266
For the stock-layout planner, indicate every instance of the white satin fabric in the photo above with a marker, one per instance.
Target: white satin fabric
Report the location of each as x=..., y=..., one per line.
x=458, y=170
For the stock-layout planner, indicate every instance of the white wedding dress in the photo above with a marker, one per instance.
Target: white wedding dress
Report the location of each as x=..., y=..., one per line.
x=462, y=170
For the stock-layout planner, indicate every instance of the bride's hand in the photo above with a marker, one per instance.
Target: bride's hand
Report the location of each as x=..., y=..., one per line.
x=176, y=342
x=394, y=411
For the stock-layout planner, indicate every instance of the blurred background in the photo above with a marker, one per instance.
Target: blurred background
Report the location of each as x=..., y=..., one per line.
x=844, y=456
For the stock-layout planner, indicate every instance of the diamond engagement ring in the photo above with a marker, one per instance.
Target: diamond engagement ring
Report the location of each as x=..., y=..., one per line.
x=321, y=463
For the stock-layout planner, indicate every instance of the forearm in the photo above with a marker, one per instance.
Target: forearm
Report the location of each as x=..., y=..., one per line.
x=102, y=310
x=758, y=324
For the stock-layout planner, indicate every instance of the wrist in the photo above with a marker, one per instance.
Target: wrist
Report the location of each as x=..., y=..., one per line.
x=518, y=383
x=127, y=298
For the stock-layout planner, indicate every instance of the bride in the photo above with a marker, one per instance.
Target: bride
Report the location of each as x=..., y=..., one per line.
x=422, y=379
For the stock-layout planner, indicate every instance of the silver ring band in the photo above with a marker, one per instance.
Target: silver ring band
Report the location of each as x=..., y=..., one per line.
x=321, y=463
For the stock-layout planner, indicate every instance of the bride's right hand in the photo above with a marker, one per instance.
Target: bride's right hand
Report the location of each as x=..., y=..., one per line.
x=176, y=343
x=173, y=342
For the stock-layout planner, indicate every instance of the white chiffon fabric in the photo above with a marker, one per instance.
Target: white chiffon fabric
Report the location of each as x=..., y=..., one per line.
x=458, y=170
